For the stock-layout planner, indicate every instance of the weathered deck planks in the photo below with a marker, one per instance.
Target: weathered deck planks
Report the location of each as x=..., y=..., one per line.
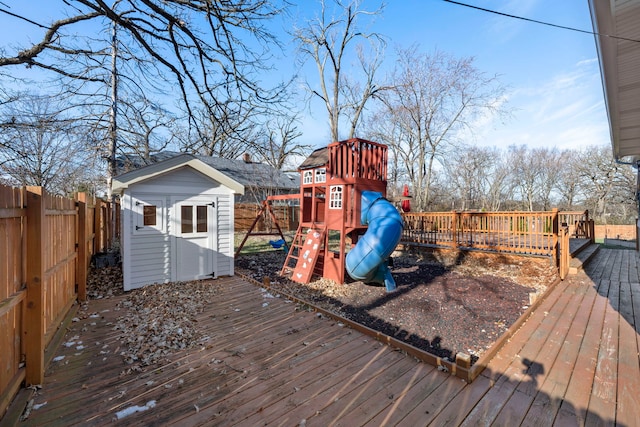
x=573, y=362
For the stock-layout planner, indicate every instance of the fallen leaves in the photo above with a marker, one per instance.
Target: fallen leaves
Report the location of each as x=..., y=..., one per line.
x=160, y=319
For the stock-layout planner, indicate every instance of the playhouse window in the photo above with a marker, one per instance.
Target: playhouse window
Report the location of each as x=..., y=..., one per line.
x=321, y=175
x=335, y=197
x=307, y=177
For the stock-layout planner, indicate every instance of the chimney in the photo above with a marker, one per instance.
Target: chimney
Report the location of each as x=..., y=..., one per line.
x=246, y=157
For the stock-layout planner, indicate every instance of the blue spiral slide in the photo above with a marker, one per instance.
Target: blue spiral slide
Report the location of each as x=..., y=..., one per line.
x=367, y=260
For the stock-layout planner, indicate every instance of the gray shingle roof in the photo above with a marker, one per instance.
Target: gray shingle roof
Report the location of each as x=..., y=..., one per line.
x=252, y=174
x=248, y=174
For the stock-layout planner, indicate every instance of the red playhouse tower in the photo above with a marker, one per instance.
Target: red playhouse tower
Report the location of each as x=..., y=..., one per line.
x=343, y=206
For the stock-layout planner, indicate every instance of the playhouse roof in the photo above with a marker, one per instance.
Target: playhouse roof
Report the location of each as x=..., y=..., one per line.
x=246, y=173
x=123, y=181
x=319, y=157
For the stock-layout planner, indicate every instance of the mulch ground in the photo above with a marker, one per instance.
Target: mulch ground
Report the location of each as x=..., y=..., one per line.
x=445, y=303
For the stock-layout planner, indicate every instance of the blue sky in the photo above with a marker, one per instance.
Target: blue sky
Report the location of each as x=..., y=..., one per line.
x=552, y=74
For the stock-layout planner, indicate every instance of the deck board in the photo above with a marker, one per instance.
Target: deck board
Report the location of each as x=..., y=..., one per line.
x=574, y=361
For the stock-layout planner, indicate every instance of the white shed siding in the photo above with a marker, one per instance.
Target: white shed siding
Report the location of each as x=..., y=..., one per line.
x=224, y=254
x=183, y=181
x=148, y=256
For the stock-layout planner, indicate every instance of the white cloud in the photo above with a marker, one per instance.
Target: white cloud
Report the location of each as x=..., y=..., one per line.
x=565, y=111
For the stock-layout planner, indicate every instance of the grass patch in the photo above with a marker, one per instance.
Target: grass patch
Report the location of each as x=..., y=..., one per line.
x=616, y=244
x=256, y=244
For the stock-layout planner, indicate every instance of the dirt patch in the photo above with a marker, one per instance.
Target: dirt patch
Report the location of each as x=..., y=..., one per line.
x=445, y=302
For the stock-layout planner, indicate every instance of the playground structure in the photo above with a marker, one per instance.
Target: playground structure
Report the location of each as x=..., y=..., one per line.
x=343, y=206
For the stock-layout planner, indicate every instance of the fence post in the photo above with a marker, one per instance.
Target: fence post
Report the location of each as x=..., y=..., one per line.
x=97, y=231
x=34, y=315
x=81, y=247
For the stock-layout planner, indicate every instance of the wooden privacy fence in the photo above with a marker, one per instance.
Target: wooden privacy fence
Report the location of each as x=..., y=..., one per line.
x=46, y=247
x=525, y=233
x=286, y=215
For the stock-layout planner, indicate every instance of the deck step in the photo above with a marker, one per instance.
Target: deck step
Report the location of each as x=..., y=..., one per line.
x=580, y=259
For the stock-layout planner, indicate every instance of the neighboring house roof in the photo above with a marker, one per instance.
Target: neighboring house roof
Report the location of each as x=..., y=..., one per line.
x=123, y=181
x=249, y=174
x=319, y=157
x=617, y=24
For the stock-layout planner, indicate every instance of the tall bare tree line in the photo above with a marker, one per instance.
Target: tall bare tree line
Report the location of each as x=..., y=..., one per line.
x=533, y=179
x=190, y=77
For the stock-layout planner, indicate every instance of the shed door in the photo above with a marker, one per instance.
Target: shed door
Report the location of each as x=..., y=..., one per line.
x=195, y=239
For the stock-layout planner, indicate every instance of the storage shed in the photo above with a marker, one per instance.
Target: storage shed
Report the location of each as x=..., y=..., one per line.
x=177, y=221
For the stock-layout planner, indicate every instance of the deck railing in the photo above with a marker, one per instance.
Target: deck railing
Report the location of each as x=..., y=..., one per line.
x=46, y=247
x=529, y=233
x=580, y=226
x=513, y=232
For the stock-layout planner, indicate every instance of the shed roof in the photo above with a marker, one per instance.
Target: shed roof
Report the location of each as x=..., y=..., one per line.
x=123, y=181
x=249, y=174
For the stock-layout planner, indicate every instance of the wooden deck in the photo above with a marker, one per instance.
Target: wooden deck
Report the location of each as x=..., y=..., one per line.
x=573, y=362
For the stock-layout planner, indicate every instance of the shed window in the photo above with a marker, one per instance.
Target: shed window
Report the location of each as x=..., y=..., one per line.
x=149, y=215
x=201, y=219
x=321, y=175
x=307, y=177
x=186, y=215
x=194, y=219
x=335, y=197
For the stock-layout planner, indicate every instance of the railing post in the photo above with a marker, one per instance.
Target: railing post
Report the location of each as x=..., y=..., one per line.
x=455, y=220
x=555, y=241
x=564, y=252
x=34, y=316
x=592, y=230
x=81, y=247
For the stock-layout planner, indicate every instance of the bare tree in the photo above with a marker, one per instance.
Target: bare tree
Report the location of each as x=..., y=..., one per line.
x=471, y=175
x=227, y=133
x=526, y=173
x=570, y=181
x=44, y=148
x=146, y=128
x=434, y=98
x=552, y=161
x=607, y=183
x=327, y=40
x=200, y=54
x=277, y=141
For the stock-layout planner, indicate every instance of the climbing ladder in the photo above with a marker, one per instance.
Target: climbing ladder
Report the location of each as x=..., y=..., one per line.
x=305, y=251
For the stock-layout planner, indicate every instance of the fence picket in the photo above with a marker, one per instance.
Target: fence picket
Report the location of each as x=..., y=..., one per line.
x=45, y=255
